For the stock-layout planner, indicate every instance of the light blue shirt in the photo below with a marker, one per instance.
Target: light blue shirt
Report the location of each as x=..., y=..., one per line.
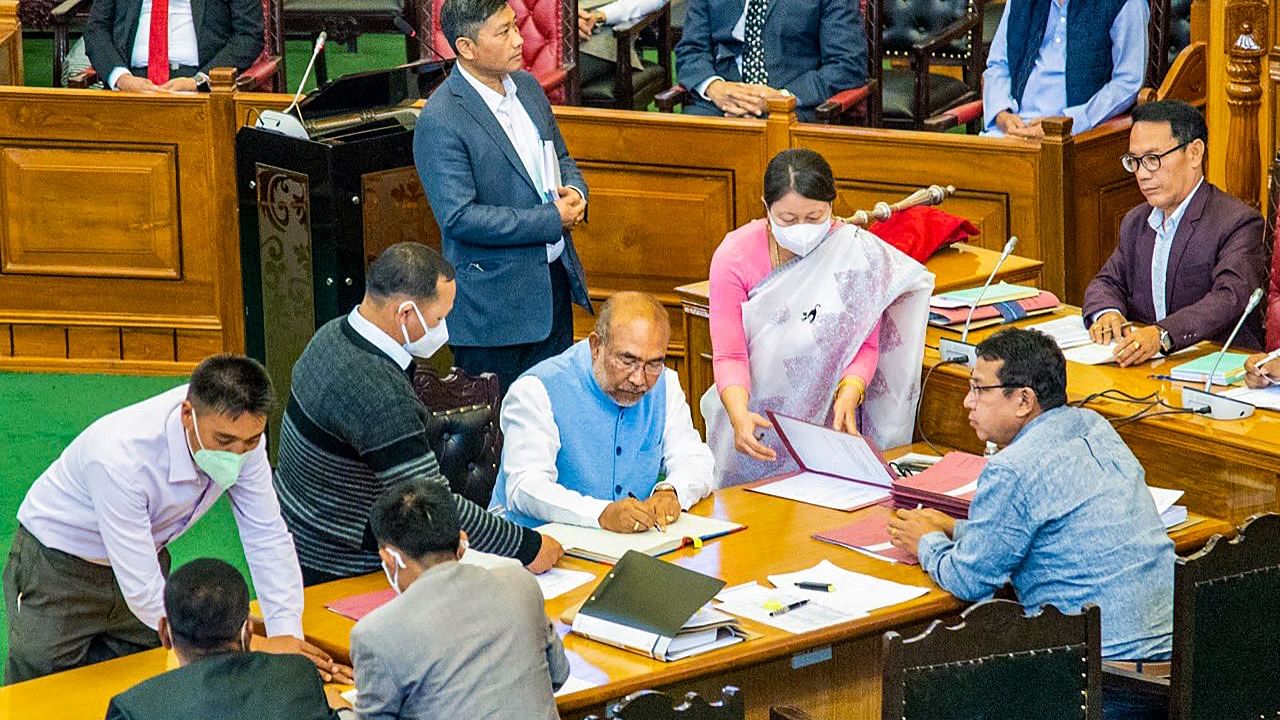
x=1046, y=92
x=1165, y=229
x=1064, y=514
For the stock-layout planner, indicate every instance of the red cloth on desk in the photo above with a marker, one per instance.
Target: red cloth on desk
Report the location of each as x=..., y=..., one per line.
x=921, y=231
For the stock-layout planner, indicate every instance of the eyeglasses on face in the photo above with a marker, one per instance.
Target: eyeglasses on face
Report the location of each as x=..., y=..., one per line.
x=630, y=364
x=1149, y=162
x=975, y=389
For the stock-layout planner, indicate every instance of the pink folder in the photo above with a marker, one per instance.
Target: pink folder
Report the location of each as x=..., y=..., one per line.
x=869, y=535
x=357, y=606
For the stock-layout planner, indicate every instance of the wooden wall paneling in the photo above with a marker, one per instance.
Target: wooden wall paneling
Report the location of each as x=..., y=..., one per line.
x=225, y=225
x=96, y=343
x=6, y=340
x=196, y=345
x=40, y=341
x=152, y=344
x=10, y=44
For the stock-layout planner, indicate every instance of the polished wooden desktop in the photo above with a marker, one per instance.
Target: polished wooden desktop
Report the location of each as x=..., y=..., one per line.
x=771, y=669
x=956, y=267
x=1229, y=469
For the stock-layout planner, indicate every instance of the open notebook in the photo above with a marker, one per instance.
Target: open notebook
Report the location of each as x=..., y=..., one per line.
x=837, y=470
x=607, y=547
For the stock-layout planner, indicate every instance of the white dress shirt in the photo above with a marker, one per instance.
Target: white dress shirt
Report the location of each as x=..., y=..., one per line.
x=127, y=486
x=531, y=441
x=183, y=49
x=380, y=340
x=520, y=130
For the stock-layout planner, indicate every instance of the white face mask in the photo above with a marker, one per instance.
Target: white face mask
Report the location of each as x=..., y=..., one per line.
x=393, y=577
x=430, y=342
x=800, y=238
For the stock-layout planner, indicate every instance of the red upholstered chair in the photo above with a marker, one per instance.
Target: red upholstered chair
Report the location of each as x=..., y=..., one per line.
x=266, y=74
x=550, y=32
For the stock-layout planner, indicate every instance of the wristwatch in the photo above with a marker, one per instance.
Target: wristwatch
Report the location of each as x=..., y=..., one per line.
x=663, y=486
x=1166, y=341
x=202, y=82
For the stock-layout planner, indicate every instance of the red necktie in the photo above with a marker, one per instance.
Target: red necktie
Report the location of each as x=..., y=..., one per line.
x=158, y=53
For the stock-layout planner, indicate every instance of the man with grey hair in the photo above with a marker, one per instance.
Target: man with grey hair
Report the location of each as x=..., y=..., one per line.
x=354, y=425
x=560, y=462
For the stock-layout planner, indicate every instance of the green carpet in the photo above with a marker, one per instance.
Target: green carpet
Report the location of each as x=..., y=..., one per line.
x=41, y=414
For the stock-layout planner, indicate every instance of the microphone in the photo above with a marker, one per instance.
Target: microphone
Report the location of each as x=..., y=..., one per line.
x=1204, y=400
x=403, y=26
x=280, y=120
x=961, y=350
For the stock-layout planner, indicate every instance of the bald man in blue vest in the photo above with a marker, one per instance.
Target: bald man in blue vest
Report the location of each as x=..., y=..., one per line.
x=1083, y=59
x=589, y=433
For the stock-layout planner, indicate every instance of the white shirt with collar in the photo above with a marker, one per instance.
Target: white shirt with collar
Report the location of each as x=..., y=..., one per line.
x=532, y=441
x=523, y=134
x=183, y=49
x=380, y=340
x=128, y=486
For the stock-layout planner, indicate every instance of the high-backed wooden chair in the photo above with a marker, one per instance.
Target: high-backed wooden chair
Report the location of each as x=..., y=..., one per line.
x=996, y=663
x=653, y=705
x=344, y=22
x=629, y=88
x=550, y=32
x=927, y=33
x=1273, y=229
x=265, y=75
x=1226, y=629
x=463, y=429
x=1168, y=32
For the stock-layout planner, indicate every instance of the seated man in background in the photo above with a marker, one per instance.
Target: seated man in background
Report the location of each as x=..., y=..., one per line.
x=1062, y=510
x=1084, y=60
x=461, y=641
x=206, y=624
x=1187, y=260
x=598, y=48
x=85, y=577
x=354, y=424
x=136, y=49
x=1261, y=375
x=588, y=433
x=735, y=55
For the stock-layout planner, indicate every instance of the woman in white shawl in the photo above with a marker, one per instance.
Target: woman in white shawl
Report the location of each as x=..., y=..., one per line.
x=812, y=318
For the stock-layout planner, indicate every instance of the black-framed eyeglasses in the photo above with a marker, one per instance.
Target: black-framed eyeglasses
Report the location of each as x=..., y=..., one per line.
x=1149, y=162
x=977, y=389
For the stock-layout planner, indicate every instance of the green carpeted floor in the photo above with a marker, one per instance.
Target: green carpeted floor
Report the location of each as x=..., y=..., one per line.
x=40, y=414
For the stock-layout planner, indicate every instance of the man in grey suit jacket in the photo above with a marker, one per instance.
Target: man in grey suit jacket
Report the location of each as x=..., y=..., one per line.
x=461, y=641
x=1187, y=259
x=506, y=195
x=736, y=54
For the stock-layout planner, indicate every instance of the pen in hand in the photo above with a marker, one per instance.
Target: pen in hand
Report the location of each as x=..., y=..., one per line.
x=661, y=528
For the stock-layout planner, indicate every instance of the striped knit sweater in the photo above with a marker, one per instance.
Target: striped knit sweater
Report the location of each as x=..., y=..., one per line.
x=352, y=428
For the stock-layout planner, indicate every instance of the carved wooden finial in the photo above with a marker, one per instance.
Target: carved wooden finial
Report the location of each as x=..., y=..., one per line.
x=1246, y=21
x=222, y=79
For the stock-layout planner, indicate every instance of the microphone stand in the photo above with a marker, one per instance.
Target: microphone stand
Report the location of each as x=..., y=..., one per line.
x=961, y=351
x=1204, y=400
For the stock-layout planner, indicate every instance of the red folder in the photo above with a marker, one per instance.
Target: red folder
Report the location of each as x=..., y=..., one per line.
x=356, y=607
x=948, y=486
x=866, y=534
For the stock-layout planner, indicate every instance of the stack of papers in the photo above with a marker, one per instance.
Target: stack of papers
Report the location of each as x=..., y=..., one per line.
x=997, y=293
x=1230, y=370
x=948, y=486
x=994, y=314
x=854, y=594
x=607, y=547
x=1267, y=397
x=757, y=602
x=869, y=536
x=1073, y=339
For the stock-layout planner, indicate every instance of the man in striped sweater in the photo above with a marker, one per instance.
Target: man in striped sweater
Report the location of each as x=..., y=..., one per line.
x=354, y=426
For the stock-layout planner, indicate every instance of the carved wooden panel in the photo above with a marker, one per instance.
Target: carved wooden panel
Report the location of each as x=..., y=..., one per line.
x=395, y=210
x=133, y=235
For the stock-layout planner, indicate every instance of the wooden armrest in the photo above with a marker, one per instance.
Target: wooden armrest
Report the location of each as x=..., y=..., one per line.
x=958, y=115
x=845, y=100
x=258, y=73
x=632, y=30
x=947, y=35
x=669, y=98
x=1134, y=683
x=64, y=9
x=788, y=712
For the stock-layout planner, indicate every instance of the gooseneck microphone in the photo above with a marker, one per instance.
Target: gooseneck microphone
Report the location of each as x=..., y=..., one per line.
x=280, y=120
x=1204, y=400
x=961, y=350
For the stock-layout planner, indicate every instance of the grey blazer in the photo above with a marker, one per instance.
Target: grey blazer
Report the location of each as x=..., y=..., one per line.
x=461, y=642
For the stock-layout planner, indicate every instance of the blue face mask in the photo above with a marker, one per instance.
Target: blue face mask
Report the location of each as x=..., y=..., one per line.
x=222, y=466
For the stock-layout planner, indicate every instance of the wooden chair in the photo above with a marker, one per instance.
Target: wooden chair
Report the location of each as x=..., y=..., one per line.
x=266, y=74
x=550, y=32
x=1168, y=32
x=1226, y=629
x=653, y=705
x=463, y=429
x=996, y=663
x=1273, y=294
x=42, y=18
x=928, y=33
x=631, y=89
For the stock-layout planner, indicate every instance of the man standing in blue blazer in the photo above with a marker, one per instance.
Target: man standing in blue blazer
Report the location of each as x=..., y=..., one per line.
x=506, y=195
x=736, y=54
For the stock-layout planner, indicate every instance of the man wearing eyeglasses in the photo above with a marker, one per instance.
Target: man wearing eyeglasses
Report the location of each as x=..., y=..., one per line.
x=1187, y=259
x=1062, y=512
x=589, y=432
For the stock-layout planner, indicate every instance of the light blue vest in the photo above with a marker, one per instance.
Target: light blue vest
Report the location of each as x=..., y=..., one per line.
x=606, y=451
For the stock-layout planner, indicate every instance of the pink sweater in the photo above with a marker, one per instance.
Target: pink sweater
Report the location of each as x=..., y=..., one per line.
x=739, y=264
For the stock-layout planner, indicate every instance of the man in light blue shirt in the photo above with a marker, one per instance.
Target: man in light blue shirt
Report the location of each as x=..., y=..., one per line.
x=1062, y=511
x=1050, y=58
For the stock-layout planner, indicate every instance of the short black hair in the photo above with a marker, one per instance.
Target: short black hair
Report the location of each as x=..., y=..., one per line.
x=1032, y=360
x=207, y=602
x=1185, y=122
x=463, y=18
x=407, y=268
x=231, y=385
x=801, y=170
x=417, y=516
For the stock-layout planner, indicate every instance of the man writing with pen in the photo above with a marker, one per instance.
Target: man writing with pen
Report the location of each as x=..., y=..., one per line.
x=601, y=435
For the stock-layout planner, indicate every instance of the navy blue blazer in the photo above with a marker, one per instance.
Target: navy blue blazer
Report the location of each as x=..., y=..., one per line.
x=494, y=225
x=812, y=48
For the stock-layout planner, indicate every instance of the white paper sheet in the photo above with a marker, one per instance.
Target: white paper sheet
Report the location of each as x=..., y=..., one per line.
x=855, y=593
x=754, y=601
x=573, y=685
x=614, y=545
x=1268, y=397
x=553, y=583
x=1068, y=332
x=824, y=491
x=828, y=451
x=1164, y=498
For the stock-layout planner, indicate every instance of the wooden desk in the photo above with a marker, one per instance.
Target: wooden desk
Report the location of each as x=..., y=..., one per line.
x=1229, y=470
x=959, y=266
x=83, y=693
x=777, y=539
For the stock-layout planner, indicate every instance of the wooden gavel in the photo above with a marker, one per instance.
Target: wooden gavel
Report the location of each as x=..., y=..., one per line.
x=932, y=195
